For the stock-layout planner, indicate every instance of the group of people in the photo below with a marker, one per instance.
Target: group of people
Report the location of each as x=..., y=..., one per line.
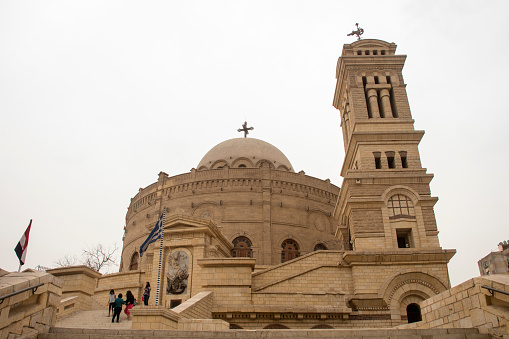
x=116, y=302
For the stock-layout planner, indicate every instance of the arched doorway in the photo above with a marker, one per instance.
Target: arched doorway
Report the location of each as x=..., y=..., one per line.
x=290, y=250
x=242, y=248
x=413, y=313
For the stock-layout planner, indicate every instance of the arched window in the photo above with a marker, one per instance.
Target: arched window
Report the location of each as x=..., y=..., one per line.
x=320, y=247
x=413, y=313
x=133, y=265
x=242, y=166
x=321, y=326
x=400, y=206
x=290, y=250
x=276, y=327
x=235, y=327
x=242, y=248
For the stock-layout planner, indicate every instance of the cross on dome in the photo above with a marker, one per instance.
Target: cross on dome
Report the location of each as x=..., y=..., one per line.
x=245, y=129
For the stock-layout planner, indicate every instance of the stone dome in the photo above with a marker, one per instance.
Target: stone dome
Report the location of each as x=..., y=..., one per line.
x=244, y=152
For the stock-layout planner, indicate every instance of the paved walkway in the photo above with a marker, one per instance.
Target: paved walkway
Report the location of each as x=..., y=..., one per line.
x=94, y=319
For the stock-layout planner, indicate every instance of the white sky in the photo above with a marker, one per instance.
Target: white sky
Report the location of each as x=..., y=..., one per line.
x=98, y=97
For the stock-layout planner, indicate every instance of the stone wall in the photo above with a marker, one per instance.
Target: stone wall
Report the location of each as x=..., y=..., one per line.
x=469, y=305
x=78, y=281
x=120, y=283
x=30, y=312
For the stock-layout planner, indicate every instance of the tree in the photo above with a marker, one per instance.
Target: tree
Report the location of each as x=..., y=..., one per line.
x=97, y=258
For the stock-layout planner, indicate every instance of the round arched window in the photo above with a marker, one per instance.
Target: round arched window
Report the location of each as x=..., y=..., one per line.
x=242, y=248
x=290, y=250
x=133, y=265
x=400, y=206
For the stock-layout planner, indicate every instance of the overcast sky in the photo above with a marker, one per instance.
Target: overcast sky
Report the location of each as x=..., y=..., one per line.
x=98, y=97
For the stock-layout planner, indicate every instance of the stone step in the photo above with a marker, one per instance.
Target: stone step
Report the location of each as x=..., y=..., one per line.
x=452, y=333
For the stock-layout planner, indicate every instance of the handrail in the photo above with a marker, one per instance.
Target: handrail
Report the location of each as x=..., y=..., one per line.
x=33, y=288
x=493, y=290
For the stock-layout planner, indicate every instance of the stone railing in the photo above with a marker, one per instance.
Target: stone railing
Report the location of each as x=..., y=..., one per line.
x=194, y=314
x=28, y=303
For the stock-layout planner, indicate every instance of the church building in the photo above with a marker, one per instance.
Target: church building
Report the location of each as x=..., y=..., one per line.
x=280, y=249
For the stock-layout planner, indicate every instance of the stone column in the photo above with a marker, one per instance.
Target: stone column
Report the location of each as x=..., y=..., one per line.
x=373, y=103
x=386, y=103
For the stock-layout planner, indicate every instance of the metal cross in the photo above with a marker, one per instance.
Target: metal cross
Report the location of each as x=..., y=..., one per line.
x=358, y=32
x=245, y=129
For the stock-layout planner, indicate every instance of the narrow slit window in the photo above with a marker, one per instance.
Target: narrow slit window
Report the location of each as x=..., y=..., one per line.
x=364, y=83
x=378, y=160
x=404, y=161
x=390, y=159
x=391, y=97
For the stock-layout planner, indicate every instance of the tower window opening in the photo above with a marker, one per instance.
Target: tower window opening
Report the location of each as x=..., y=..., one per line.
x=378, y=161
x=375, y=52
x=377, y=81
x=359, y=52
x=364, y=83
x=390, y=159
x=404, y=238
x=390, y=162
x=404, y=161
x=391, y=97
x=380, y=105
x=366, y=52
x=382, y=52
x=400, y=206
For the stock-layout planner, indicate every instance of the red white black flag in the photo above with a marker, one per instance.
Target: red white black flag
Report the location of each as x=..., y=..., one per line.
x=21, y=248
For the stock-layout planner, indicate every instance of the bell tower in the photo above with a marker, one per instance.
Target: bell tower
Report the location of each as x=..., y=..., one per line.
x=385, y=201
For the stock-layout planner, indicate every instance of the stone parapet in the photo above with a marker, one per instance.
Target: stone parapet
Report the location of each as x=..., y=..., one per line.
x=34, y=309
x=79, y=281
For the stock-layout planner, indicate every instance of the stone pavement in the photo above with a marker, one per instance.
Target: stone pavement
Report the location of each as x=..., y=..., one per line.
x=96, y=319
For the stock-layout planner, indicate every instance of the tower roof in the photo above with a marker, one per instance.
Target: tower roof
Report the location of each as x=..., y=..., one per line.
x=244, y=152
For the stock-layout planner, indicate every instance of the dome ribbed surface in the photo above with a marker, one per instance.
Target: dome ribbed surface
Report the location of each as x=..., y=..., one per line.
x=244, y=152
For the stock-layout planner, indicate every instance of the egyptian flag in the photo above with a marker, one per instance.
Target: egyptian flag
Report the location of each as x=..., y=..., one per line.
x=21, y=248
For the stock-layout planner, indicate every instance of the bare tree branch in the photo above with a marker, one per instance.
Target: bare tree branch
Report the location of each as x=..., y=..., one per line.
x=68, y=260
x=97, y=258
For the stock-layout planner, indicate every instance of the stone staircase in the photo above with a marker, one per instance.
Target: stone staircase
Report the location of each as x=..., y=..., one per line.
x=83, y=333
x=96, y=320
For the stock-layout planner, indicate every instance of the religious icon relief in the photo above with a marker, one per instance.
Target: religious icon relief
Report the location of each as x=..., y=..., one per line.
x=178, y=273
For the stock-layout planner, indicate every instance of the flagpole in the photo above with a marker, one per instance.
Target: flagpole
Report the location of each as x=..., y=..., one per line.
x=19, y=269
x=160, y=258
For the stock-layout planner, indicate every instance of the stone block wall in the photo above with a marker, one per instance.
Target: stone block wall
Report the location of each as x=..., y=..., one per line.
x=469, y=305
x=78, y=281
x=198, y=307
x=30, y=312
x=120, y=283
